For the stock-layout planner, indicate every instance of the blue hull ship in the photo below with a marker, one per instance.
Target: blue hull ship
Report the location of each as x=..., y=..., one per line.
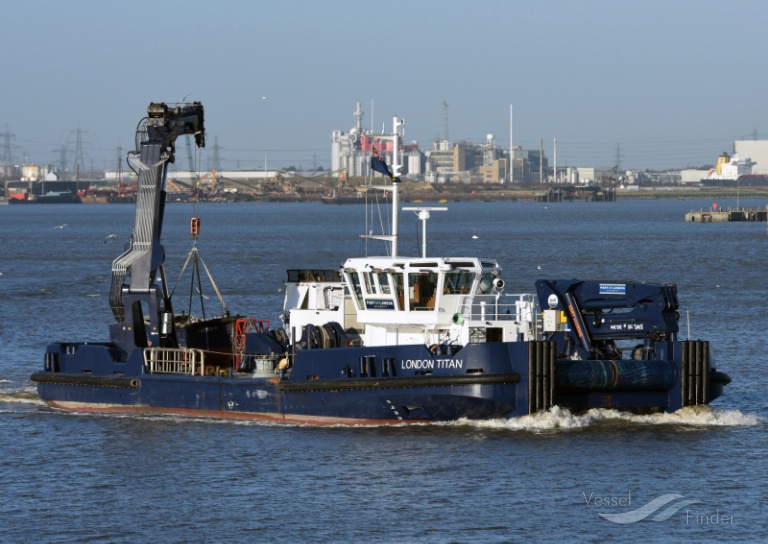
x=382, y=340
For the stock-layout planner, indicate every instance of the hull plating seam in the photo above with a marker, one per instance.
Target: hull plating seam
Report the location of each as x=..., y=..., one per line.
x=295, y=387
x=396, y=383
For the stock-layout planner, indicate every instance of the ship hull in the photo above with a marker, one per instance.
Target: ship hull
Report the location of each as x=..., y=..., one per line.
x=221, y=400
x=48, y=199
x=755, y=180
x=395, y=385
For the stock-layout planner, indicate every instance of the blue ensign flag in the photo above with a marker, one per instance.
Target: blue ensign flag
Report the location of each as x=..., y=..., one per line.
x=378, y=164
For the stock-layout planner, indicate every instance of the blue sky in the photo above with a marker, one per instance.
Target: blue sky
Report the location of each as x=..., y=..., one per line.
x=665, y=83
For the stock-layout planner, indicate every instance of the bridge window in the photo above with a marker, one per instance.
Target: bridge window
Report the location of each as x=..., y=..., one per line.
x=354, y=281
x=397, y=281
x=458, y=282
x=368, y=283
x=423, y=287
x=486, y=284
x=383, y=278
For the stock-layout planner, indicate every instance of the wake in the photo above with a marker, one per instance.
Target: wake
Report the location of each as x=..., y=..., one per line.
x=561, y=418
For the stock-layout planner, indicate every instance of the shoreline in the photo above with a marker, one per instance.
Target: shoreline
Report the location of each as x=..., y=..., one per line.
x=416, y=193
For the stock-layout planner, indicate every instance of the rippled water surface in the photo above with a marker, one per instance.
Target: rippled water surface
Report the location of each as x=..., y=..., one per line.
x=83, y=478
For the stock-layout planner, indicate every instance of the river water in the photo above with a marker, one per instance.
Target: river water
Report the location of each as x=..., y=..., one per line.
x=547, y=478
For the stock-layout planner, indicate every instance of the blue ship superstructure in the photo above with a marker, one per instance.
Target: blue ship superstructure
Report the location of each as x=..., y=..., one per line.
x=383, y=339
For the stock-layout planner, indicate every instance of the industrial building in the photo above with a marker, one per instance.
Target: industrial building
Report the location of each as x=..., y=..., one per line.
x=446, y=161
x=351, y=151
x=757, y=150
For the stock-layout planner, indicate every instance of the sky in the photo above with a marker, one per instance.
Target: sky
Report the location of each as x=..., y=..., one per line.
x=642, y=84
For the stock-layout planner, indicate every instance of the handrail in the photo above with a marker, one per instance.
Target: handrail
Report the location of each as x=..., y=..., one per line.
x=185, y=361
x=494, y=307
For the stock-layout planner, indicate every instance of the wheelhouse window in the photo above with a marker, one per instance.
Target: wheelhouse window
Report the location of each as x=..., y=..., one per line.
x=368, y=283
x=354, y=280
x=486, y=283
x=397, y=280
x=383, y=280
x=422, y=289
x=458, y=282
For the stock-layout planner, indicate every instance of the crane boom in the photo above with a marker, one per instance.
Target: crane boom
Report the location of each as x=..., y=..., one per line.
x=143, y=258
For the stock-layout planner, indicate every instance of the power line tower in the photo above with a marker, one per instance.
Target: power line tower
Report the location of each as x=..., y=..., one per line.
x=7, y=169
x=119, y=170
x=216, y=160
x=79, y=165
x=63, y=152
x=7, y=155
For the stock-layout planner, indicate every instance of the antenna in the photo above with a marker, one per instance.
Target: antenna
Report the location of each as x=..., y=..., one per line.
x=423, y=215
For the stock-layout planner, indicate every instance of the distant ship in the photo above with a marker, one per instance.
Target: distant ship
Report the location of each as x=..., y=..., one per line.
x=734, y=170
x=358, y=198
x=52, y=197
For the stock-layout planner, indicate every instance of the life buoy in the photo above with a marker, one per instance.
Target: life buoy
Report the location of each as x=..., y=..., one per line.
x=210, y=370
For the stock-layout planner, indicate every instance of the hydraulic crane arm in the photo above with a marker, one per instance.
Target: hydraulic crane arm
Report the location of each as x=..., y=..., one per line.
x=599, y=313
x=156, y=139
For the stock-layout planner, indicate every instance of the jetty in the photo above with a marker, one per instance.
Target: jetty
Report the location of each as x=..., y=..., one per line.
x=730, y=214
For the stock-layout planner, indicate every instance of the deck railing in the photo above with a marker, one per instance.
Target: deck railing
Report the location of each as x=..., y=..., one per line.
x=518, y=308
x=190, y=362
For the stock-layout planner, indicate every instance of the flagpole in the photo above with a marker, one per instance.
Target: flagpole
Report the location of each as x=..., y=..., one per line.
x=396, y=124
x=378, y=165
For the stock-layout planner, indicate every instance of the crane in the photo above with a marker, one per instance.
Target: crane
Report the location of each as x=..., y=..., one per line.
x=142, y=299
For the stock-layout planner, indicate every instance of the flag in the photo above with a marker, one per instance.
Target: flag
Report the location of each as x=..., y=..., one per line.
x=378, y=164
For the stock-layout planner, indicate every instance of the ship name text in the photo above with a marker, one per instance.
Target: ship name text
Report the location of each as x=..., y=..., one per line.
x=430, y=364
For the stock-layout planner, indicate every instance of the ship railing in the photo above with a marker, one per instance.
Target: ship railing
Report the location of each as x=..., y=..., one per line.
x=498, y=307
x=190, y=362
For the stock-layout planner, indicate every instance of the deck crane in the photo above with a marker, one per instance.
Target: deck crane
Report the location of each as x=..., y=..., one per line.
x=142, y=306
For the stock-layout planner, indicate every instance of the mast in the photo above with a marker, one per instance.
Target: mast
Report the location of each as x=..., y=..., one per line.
x=396, y=166
x=380, y=166
x=511, y=150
